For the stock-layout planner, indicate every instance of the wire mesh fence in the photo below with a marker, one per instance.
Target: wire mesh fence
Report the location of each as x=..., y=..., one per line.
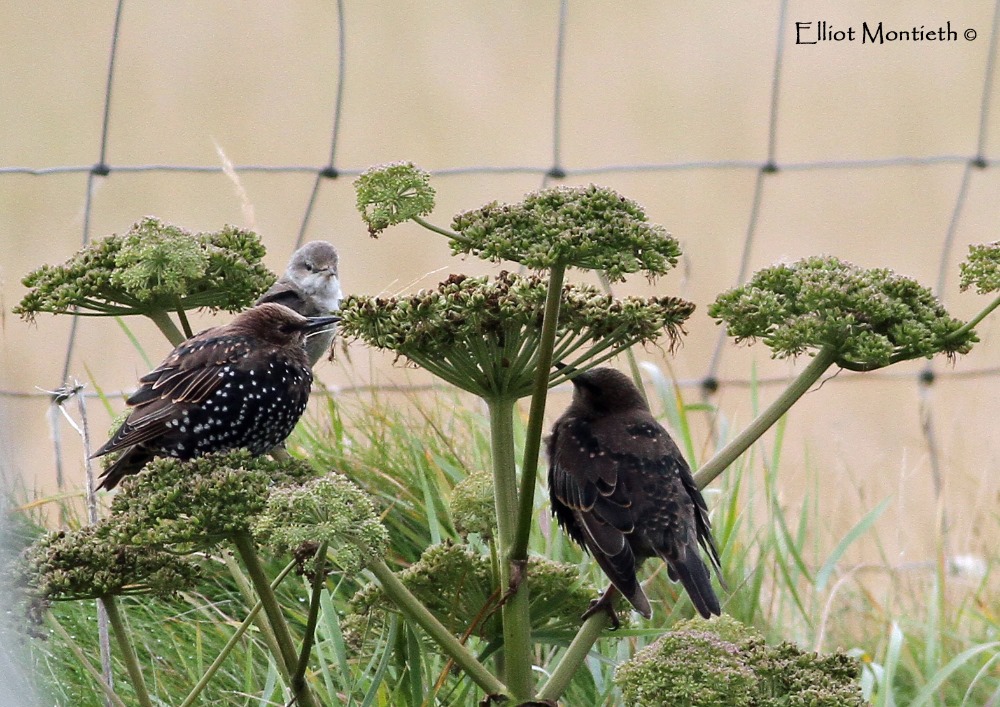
x=748, y=181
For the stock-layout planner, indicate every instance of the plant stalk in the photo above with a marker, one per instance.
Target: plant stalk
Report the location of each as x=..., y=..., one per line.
x=823, y=359
x=166, y=325
x=533, y=440
x=451, y=235
x=573, y=658
x=185, y=324
x=82, y=658
x=417, y=612
x=231, y=643
x=633, y=364
x=318, y=583
x=515, y=616
x=245, y=548
x=263, y=625
x=128, y=652
x=972, y=323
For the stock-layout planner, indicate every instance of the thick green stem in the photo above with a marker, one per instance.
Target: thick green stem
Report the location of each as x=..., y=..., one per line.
x=166, y=325
x=574, y=656
x=318, y=583
x=416, y=611
x=82, y=659
x=231, y=643
x=245, y=547
x=128, y=652
x=533, y=439
x=515, y=615
x=823, y=359
x=263, y=625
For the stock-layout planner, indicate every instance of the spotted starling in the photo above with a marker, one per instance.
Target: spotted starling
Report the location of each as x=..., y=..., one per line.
x=621, y=489
x=311, y=287
x=244, y=384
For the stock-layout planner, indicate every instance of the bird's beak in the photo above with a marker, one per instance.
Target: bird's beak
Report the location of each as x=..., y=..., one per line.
x=316, y=323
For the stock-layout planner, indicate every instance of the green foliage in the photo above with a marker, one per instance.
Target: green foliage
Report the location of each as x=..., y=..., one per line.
x=590, y=227
x=154, y=267
x=982, y=268
x=724, y=663
x=399, y=452
x=86, y=564
x=194, y=504
x=393, y=193
x=870, y=318
x=458, y=585
x=482, y=335
x=328, y=510
x=472, y=507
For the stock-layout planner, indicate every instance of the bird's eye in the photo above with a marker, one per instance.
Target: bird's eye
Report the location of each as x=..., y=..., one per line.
x=309, y=266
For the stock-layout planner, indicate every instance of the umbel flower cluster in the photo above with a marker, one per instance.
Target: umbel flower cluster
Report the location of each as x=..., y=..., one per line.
x=982, y=268
x=458, y=585
x=87, y=563
x=722, y=662
x=393, y=193
x=482, y=334
x=591, y=227
x=330, y=510
x=472, y=506
x=154, y=267
x=174, y=509
x=869, y=317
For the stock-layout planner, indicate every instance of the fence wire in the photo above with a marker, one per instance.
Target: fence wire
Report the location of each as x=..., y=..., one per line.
x=763, y=170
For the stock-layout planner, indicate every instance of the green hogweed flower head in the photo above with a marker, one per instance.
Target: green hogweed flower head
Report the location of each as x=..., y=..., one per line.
x=870, y=317
x=723, y=662
x=195, y=504
x=982, y=268
x=482, y=335
x=457, y=585
x=330, y=509
x=393, y=193
x=472, y=506
x=588, y=227
x=87, y=563
x=154, y=267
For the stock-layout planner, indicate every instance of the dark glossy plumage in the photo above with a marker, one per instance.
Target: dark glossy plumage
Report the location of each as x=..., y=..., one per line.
x=620, y=487
x=311, y=287
x=244, y=384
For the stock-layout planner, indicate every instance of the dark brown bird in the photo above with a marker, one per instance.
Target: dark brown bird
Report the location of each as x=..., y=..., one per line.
x=622, y=490
x=244, y=384
x=311, y=287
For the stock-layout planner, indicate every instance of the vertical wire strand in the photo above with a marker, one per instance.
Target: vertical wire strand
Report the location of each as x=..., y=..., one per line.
x=330, y=170
x=758, y=193
x=556, y=170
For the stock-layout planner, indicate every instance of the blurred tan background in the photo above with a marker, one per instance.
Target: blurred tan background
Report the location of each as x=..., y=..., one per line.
x=471, y=85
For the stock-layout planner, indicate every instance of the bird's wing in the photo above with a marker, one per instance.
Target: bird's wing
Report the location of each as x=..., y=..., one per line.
x=189, y=375
x=703, y=525
x=592, y=504
x=675, y=522
x=285, y=293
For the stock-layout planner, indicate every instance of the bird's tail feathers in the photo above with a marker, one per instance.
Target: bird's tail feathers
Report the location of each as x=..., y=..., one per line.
x=620, y=569
x=694, y=576
x=639, y=601
x=130, y=461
